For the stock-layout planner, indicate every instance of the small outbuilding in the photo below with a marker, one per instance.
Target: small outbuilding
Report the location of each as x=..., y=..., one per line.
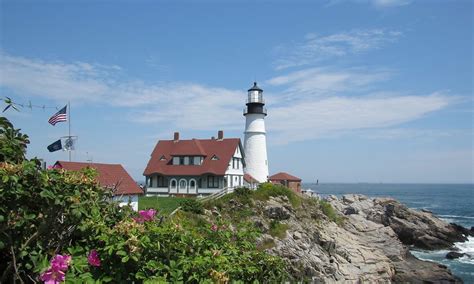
x=110, y=176
x=250, y=181
x=290, y=181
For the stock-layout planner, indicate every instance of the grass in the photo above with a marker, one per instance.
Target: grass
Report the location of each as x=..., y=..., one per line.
x=266, y=190
x=278, y=229
x=266, y=244
x=329, y=211
x=165, y=205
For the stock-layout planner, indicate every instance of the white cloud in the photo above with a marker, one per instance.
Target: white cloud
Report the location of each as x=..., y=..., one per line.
x=316, y=48
x=176, y=104
x=389, y=3
x=375, y=3
x=319, y=118
x=316, y=106
x=322, y=81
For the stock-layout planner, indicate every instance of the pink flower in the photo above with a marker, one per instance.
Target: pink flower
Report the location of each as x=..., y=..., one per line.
x=60, y=262
x=214, y=227
x=145, y=215
x=56, y=272
x=93, y=258
x=52, y=276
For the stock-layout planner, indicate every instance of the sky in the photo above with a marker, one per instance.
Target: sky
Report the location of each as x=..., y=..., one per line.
x=356, y=91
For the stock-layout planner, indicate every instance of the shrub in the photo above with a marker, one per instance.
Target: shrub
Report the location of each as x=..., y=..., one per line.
x=278, y=229
x=329, y=211
x=266, y=190
x=55, y=222
x=192, y=205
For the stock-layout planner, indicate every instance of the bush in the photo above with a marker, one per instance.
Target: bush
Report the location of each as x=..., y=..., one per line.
x=52, y=215
x=278, y=229
x=329, y=211
x=192, y=205
x=266, y=190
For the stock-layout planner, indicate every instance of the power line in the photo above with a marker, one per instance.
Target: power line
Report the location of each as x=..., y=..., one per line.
x=15, y=105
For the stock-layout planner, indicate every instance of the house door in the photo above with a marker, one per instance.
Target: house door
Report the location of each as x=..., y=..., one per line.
x=183, y=186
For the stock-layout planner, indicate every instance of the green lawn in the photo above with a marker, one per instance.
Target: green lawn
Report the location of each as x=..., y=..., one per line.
x=164, y=205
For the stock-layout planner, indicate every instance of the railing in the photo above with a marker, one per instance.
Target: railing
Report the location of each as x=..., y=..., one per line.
x=217, y=195
x=248, y=101
x=264, y=111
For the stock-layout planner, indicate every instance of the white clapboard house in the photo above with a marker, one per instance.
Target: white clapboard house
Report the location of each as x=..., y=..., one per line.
x=195, y=167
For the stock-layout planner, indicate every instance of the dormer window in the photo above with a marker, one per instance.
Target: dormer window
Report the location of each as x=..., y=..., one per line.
x=162, y=158
x=188, y=160
x=215, y=158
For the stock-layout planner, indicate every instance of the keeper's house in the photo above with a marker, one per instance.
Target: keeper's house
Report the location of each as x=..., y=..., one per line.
x=195, y=167
x=112, y=176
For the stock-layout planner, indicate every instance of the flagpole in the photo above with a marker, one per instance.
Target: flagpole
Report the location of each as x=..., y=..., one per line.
x=69, y=122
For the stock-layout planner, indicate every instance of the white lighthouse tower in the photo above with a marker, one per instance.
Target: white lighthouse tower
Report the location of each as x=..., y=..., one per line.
x=255, y=142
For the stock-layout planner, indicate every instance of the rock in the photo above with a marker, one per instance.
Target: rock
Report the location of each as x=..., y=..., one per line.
x=350, y=210
x=371, y=246
x=455, y=254
x=297, y=235
x=277, y=212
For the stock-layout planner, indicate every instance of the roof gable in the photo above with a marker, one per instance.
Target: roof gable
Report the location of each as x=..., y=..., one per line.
x=283, y=176
x=223, y=149
x=109, y=175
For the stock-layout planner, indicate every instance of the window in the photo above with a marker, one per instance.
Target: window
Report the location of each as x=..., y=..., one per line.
x=175, y=160
x=173, y=184
x=181, y=160
x=238, y=163
x=186, y=160
x=215, y=158
x=162, y=181
x=150, y=181
x=182, y=184
x=197, y=160
x=212, y=182
x=162, y=158
x=192, y=184
x=191, y=161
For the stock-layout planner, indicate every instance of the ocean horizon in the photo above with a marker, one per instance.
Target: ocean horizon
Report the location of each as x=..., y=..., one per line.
x=450, y=202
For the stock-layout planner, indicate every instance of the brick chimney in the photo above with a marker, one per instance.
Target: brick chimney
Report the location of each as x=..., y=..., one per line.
x=220, y=135
x=176, y=137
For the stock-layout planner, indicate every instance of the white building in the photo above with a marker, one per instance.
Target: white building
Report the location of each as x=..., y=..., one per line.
x=195, y=167
x=255, y=143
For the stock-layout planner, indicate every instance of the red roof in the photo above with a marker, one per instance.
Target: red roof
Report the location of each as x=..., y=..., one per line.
x=250, y=179
x=283, y=176
x=110, y=175
x=223, y=149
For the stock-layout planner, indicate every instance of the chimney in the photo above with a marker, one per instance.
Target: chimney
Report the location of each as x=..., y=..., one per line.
x=176, y=137
x=220, y=135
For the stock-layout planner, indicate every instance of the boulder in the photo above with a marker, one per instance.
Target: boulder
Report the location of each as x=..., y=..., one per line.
x=277, y=212
x=350, y=210
x=455, y=254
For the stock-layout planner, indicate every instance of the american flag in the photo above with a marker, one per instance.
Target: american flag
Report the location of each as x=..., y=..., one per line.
x=59, y=116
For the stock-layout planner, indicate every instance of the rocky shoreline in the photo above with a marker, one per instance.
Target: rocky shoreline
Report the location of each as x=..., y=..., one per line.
x=370, y=244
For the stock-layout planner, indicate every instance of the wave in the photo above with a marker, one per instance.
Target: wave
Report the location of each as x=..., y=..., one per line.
x=456, y=216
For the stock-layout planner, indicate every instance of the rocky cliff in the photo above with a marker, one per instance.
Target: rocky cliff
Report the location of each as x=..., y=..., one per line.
x=361, y=240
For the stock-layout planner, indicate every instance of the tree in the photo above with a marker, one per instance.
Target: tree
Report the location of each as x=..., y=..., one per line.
x=13, y=143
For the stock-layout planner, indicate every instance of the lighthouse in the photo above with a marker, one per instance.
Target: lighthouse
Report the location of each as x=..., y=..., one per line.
x=255, y=142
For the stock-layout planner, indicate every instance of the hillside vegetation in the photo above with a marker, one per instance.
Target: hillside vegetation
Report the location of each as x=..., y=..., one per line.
x=58, y=226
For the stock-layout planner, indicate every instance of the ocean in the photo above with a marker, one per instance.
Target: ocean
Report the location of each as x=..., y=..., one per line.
x=452, y=202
